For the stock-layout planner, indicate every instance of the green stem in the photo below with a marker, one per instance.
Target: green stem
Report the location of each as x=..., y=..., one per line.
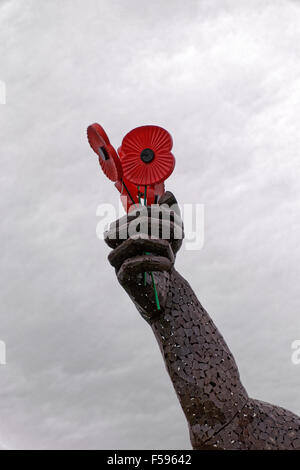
x=155, y=292
x=145, y=203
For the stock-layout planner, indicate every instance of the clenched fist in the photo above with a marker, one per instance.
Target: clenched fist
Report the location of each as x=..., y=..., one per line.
x=145, y=243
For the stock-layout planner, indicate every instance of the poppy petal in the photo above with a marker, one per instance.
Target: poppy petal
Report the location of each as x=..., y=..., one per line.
x=108, y=158
x=99, y=129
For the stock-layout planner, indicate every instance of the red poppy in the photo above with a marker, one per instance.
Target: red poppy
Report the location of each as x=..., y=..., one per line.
x=108, y=158
x=146, y=155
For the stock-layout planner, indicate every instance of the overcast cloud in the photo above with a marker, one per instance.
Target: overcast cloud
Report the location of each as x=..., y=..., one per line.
x=83, y=369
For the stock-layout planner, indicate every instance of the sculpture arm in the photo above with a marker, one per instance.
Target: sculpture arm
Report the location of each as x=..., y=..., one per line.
x=200, y=364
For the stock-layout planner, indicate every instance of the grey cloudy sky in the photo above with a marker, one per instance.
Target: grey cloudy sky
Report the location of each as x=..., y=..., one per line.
x=83, y=369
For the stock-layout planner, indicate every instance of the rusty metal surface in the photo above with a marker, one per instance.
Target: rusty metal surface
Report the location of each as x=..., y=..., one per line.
x=203, y=371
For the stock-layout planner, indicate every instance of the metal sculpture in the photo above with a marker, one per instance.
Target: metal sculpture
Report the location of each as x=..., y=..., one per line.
x=219, y=412
x=206, y=379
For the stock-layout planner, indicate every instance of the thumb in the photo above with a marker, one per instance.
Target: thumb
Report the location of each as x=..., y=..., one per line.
x=167, y=198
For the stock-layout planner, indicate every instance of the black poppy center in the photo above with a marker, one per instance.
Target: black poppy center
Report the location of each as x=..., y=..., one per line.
x=103, y=153
x=147, y=155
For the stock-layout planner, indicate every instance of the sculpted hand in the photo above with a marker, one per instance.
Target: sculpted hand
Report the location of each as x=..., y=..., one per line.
x=144, y=244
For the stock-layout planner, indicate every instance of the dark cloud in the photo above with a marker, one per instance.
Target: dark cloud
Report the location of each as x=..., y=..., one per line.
x=83, y=369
